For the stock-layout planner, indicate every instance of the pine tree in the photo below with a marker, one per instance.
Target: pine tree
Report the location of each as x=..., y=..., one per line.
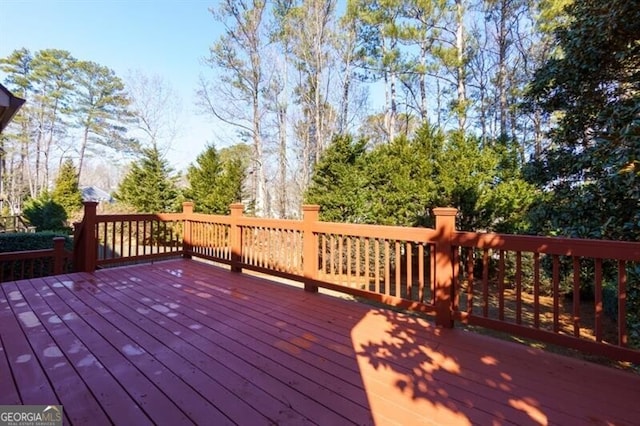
x=338, y=182
x=44, y=213
x=398, y=183
x=150, y=186
x=100, y=109
x=66, y=191
x=214, y=184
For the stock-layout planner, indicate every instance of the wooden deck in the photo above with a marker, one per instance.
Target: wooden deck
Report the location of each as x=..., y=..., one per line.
x=183, y=342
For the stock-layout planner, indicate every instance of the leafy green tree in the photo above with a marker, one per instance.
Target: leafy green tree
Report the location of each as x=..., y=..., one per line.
x=484, y=182
x=401, y=179
x=339, y=180
x=214, y=184
x=591, y=172
x=45, y=80
x=15, y=145
x=66, y=191
x=398, y=183
x=44, y=213
x=150, y=186
x=379, y=28
x=72, y=106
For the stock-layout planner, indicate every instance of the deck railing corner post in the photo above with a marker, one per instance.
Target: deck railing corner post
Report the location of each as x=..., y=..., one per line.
x=310, y=215
x=85, y=245
x=235, y=237
x=58, y=255
x=444, y=265
x=187, y=207
x=78, y=255
x=187, y=211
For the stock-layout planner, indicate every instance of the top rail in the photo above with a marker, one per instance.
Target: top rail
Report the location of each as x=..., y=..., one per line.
x=596, y=249
x=139, y=217
x=425, y=235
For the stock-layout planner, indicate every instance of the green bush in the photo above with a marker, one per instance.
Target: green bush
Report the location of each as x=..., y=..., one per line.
x=24, y=269
x=45, y=214
x=32, y=241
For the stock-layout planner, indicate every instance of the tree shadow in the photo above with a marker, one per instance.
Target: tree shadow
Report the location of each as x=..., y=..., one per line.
x=452, y=375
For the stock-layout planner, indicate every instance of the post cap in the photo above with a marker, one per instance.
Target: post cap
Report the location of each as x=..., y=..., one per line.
x=445, y=211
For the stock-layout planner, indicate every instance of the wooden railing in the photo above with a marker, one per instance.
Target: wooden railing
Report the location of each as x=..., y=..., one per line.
x=15, y=224
x=35, y=263
x=551, y=289
x=103, y=240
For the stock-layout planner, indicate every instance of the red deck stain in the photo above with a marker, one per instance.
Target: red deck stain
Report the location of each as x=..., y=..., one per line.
x=288, y=347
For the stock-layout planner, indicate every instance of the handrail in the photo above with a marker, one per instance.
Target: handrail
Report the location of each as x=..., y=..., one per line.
x=603, y=249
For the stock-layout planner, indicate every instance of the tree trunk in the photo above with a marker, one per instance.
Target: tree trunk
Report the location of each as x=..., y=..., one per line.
x=259, y=184
x=502, y=67
x=423, y=81
x=537, y=133
x=393, y=114
x=346, y=85
x=83, y=148
x=281, y=107
x=460, y=71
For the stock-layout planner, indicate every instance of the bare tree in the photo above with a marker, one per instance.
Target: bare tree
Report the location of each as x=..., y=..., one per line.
x=156, y=110
x=235, y=95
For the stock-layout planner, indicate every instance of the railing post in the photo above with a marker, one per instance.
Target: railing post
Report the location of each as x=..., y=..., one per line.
x=445, y=227
x=58, y=255
x=187, y=211
x=310, y=215
x=85, y=246
x=235, y=238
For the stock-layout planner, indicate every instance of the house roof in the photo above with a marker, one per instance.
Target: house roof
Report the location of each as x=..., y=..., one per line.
x=92, y=193
x=9, y=105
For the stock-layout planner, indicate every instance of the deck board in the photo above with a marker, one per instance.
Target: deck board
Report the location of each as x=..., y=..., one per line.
x=184, y=354
x=184, y=342
x=46, y=339
x=260, y=358
x=31, y=380
x=120, y=389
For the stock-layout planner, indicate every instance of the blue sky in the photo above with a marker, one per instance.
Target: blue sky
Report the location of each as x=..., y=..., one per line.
x=157, y=37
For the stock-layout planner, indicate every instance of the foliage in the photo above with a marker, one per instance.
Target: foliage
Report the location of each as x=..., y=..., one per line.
x=150, y=186
x=45, y=214
x=27, y=241
x=214, y=184
x=72, y=106
x=66, y=191
x=338, y=182
x=398, y=183
x=402, y=178
x=485, y=184
x=592, y=171
x=101, y=110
